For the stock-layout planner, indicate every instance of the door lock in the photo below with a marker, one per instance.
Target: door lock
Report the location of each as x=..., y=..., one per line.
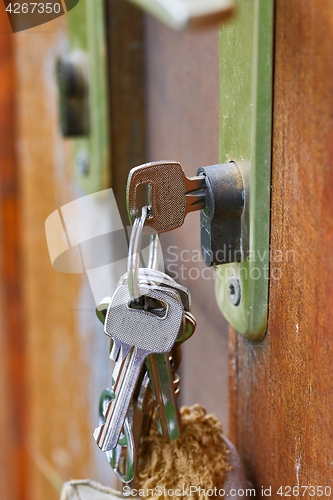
x=217, y=190
x=82, y=89
x=72, y=75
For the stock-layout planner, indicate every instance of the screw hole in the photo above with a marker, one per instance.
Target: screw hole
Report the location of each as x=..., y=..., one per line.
x=234, y=290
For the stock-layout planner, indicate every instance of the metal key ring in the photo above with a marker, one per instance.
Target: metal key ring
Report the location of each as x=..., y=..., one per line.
x=153, y=251
x=134, y=253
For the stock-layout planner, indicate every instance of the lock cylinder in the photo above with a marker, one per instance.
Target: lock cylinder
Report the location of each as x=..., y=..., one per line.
x=220, y=219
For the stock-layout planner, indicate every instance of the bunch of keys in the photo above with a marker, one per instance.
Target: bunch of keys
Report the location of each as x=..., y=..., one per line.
x=147, y=318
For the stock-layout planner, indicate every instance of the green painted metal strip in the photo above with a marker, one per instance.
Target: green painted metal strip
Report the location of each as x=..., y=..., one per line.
x=86, y=26
x=246, y=68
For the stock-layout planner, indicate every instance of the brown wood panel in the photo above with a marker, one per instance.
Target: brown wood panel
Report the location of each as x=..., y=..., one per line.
x=125, y=33
x=281, y=389
x=53, y=356
x=12, y=335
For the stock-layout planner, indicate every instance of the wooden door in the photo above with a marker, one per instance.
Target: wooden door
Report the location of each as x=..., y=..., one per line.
x=280, y=389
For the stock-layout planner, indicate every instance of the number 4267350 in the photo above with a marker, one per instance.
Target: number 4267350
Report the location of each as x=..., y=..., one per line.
x=31, y=7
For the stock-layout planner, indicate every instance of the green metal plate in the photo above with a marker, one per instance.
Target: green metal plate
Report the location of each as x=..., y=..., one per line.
x=246, y=67
x=86, y=31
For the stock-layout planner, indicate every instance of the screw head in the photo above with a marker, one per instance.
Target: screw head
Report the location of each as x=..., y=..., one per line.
x=234, y=290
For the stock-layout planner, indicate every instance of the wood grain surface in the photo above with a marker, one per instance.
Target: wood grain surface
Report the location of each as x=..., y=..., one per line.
x=55, y=403
x=281, y=389
x=67, y=363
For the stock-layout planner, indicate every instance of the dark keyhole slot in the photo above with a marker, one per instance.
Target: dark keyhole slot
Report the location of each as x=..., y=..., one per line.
x=232, y=289
x=153, y=306
x=143, y=197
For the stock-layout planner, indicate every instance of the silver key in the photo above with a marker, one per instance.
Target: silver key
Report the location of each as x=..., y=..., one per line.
x=173, y=195
x=159, y=365
x=160, y=368
x=136, y=333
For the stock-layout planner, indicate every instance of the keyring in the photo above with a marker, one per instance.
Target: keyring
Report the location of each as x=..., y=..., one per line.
x=154, y=247
x=134, y=254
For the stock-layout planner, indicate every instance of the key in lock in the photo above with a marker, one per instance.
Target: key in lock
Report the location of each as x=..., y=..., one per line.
x=217, y=191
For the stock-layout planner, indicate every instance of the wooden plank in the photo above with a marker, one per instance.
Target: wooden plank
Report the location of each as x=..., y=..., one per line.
x=281, y=388
x=125, y=31
x=64, y=370
x=12, y=334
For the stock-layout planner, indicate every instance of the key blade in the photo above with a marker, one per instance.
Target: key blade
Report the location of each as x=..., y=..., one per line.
x=119, y=351
x=195, y=200
x=161, y=378
x=196, y=183
x=107, y=435
x=120, y=366
x=195, y=193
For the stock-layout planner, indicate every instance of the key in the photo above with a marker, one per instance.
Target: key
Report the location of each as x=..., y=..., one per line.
x=136, y=333
x=172, y=194
x=159, y=366
x=159, y=278
x=147, y=275
x=161, y=379
x=162, y=366
x=184, y=333
x=145, y=399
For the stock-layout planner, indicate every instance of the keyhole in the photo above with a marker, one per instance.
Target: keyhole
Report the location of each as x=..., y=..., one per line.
x=143, y=197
